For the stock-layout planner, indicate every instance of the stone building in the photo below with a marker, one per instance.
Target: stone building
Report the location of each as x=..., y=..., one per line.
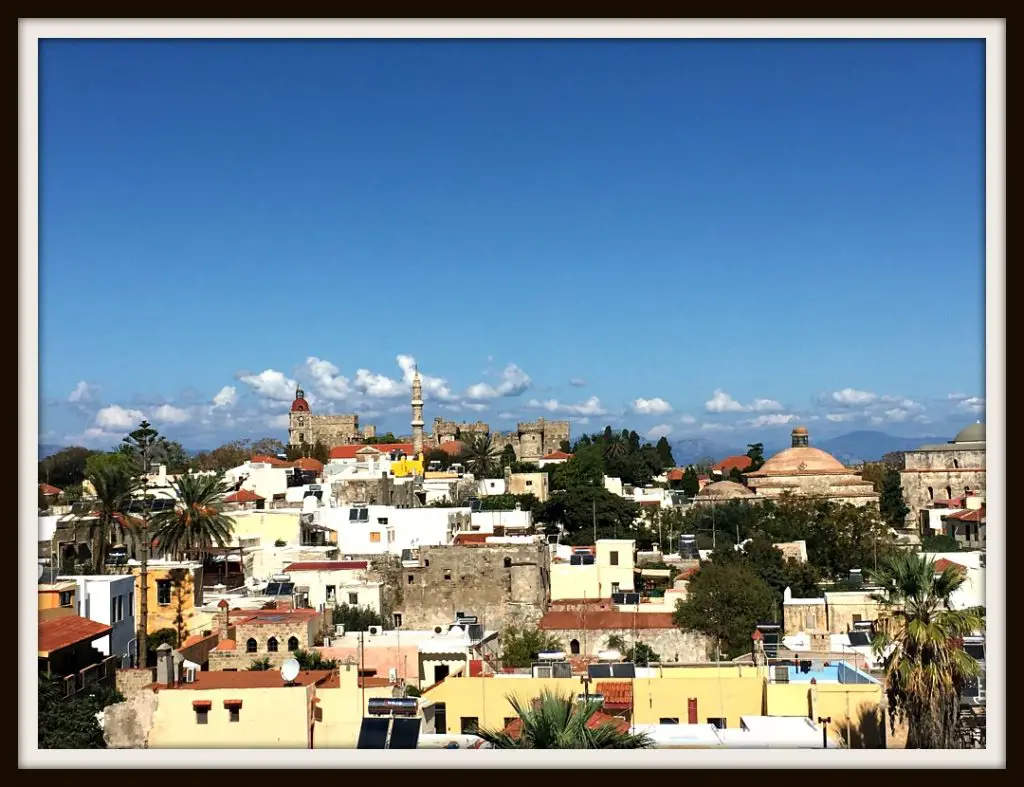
x=723, y=492
x=946, y=471
x=498, y=583
x=534, y=439
x=251, y=635
x=585, y=631
x=809, y=472
x=448, y=431
x=331, y=430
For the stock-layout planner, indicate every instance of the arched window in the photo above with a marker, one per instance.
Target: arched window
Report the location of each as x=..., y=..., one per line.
x=250, y=645
x=293, y=643
x=949, y=493
x=931, y=493
x=574, y=647
x=507, y=562
x=956, y=463
x=272, y=645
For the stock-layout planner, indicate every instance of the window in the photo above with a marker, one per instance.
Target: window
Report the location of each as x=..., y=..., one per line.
x=163, y=592
x=717, y=722
x=447, y=575
x=202, y=715
x=302, y=437
x=397, y=617
x=375, y=537
x=234, y=709
x=856, y=618
x=272, y=645
x=427, y=562
x=956, y=464
x=293, y=643
x=470, y=724
x=669, y=720
x=507, y=562
x=529, y=483
x=391, y=535
x=250, y=645
x=574, y=647
x=330, y=594
x=353, y=599
x=411, y=579
x=949, y=493
x=66, y=598
x=382, y=520
x=931, y=493
x=613, y=558
x=114, y=617
x=131, y=603
x=615, y=588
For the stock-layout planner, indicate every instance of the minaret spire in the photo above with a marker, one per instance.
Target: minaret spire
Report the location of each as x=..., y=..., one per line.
x=417, y=414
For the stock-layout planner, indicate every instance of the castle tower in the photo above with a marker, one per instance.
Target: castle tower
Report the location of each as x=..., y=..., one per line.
x=300, y=421
x=417, y=415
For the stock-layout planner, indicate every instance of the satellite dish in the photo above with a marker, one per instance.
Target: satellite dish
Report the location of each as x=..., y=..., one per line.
x=290, y=670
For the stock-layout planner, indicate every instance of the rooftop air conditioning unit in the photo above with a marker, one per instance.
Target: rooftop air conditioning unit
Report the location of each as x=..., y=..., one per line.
x=542, y=671
x=374, y=631
x=781, y=674
x=339, y=630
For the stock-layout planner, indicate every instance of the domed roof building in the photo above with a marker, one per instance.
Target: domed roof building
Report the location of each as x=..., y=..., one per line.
x=943, y=474
x=809, y=472
x=723, y=491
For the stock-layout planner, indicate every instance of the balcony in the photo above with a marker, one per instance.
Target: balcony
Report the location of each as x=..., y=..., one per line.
x=102, y=672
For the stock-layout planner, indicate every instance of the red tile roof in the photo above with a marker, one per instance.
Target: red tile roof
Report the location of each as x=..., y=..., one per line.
x=557, y=455
x=352, y=451
x=270, y=460
x=308, y=463
x=242, y=496
x=46, y=489
x=226, y=644
x=246, y=679
x=977, y=515
x=470, y=538
x=617, y=694
x=515, y=727
x=675, y=474
x=618, y=621
x=650, y=502
x=741, y=463
x=276, y=616
x=327, y=565
x=688, y=573
x=63, y=632
x=453, y=447
x=942, y=564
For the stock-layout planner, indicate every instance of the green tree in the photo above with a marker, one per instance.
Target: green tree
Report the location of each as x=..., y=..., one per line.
x=735, y=475
x=260, y=665
x=521, y=645
x=639, y=653
x=725, y=601
x=756, y=453
x=321, y=452
x=71, y=723
x=267, y=446
x=64, y=468
x=481, y=455
x=227, y=456
x=557, y=722
x=927, y=667
x=691, y=484
x=565, y=447
x=438, y=455
x=197, y=522
x=891, y=504
x=665, y=453
x=508, y=456
x=586, y=468
x=358, y=618
x=577, y=509
x=113, y=485
x=313, y=660
x=939, y=544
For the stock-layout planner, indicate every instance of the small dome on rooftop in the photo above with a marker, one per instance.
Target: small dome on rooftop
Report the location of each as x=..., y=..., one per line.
x=724, y=490
x=975, y=433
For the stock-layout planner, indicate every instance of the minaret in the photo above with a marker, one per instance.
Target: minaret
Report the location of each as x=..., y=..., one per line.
x=417, y=415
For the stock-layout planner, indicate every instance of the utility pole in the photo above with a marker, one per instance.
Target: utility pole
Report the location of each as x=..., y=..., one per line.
x=593, y=515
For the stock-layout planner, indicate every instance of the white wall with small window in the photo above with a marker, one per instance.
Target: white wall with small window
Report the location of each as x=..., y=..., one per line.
x=377, y=530
x=109, y=600
x=335, y=588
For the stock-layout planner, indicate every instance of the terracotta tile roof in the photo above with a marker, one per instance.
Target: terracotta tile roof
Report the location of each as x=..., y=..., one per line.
x=688, y=574
x=453, y=447
x=942, y=564
x=242, y=496
x=675, y=474
x=741, y=463
x=326, y=565
x=650, y=502
x=470, y=538
x=195, y=639
x=561, y=621
x=352, y=451
x=977, y=515
x=617, y=694
x=309, y=463
x=46, y=489
x=63, y=632
x=226, y=644
x=245, y=679
x=515, y=727
x=373, y=682
x=276, y=616
x=270, y=460
x=557, y=455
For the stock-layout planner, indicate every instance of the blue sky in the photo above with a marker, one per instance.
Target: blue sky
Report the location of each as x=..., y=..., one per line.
x=686, y=237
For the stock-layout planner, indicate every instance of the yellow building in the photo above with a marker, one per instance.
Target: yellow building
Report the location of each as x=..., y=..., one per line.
x=610, y=572
x=174, y=588
x=535, y=484
x=405, y=467
x=341, y=705
x=268, y=526
x=57, y=600
x=717, y=694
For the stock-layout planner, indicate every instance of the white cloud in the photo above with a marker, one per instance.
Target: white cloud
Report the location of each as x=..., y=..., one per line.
x=956, y=397
x=903, y=402
x=378, y=385
x=837, y=417
x=475, y=406
x=774, y=419
x=716, y=427
x=277, y=421
x=507, y=416
x=582, y=421
x=434, y=387
x=84, y=393
x=655, y=406
x=974, y=404
x=766, y=406
x=591, y=406
x=169, y=414
x=721, y=402
x=225, y=397
x=659, y=431
x=327, y=380
x=116, y=417
x=94, y=437
x=687, y=419
x=851, y=397
x=272, y=384
x=577, y=382
x=514, y=381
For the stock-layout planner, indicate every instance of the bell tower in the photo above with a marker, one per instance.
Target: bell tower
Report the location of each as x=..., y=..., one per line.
x=300, y=421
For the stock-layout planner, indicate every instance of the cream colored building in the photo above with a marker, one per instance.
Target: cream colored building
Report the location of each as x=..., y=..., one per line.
x=265, y=528
x=611, y=572
x=535, y=484
x=809, y=472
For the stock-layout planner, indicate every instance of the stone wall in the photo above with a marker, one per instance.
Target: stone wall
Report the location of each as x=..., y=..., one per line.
x=374, y=491
x=922, y=487
x=304, y=629
x=444, y=431
x=804, y=617
x=671, y=644
x=130, y=682
x=331, y=430
x=126, y=725
x=498, y=584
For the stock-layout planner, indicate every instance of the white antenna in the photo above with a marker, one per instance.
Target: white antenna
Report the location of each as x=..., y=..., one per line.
x=290, y=670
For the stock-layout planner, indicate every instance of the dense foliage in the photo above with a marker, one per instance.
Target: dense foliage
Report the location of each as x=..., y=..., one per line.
x=520, y=645
x=71, y=723
x=358, y=618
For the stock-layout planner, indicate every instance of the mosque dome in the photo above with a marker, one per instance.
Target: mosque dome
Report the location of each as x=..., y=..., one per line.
x=724, y=490
x=975, y=433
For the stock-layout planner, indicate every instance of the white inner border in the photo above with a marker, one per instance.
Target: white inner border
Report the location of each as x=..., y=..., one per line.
x=29, y=33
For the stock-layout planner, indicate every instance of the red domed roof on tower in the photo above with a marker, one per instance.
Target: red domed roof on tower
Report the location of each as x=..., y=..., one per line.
x=300, y=405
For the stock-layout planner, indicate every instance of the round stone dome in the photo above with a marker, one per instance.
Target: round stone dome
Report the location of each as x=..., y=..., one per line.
x=975, y=433
x=724, y=490
x=801, y=461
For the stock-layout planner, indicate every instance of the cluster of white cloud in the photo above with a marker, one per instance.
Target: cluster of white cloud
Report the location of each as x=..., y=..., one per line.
x=655, y=406
x=721, y=402
x=591, y=406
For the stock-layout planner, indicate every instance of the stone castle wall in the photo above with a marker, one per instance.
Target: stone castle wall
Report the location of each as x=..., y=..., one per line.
x=671, y=644
x=331, y=430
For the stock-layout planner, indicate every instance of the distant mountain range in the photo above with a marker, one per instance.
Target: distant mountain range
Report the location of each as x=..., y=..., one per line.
x=852, y=448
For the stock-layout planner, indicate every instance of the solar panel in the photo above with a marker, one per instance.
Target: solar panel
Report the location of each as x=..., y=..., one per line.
x=859, y=639
x=599, y=670
x=405, y=734
x=373, y=734
x=624, y=670
x=273, y=589
x=286, y=589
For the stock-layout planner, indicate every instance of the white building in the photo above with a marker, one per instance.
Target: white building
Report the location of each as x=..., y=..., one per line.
x=261, y=478
x=491, y=486
x=109, y=600
x=332, y=583
x=554, y=458
x=378, y=530
x=487, y=521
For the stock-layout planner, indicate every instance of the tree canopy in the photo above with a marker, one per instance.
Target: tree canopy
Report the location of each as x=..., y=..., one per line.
x=71, y=723
x=65, y=468
x=520, y=645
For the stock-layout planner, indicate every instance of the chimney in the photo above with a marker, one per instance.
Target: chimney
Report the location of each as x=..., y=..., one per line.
x=165, y=666
x=224, y=615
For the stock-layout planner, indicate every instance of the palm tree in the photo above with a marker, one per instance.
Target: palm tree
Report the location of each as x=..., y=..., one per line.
x=197, y=521
x=615, y=447
x=481, y=455
x=113, y=484
x=557, y=722
x=921, y=646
